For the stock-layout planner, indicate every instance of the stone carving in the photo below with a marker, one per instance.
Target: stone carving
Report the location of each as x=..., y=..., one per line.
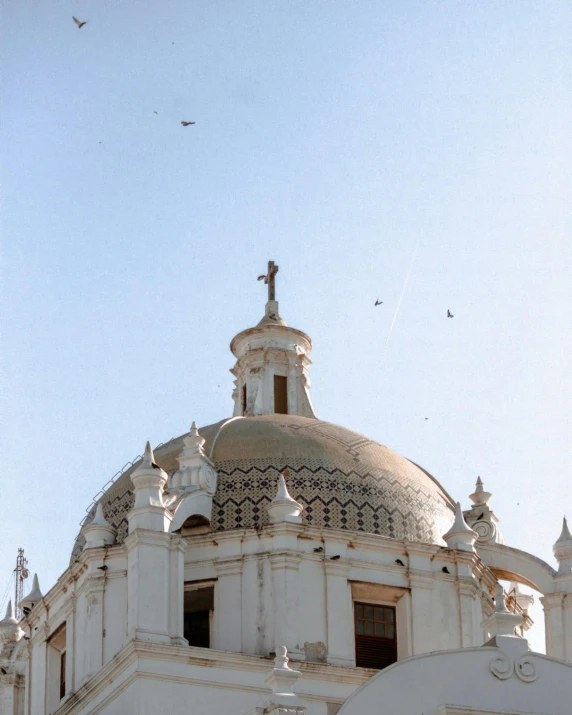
x=503, y=667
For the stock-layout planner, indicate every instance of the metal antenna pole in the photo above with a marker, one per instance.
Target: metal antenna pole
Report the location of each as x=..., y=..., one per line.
x=21, y=574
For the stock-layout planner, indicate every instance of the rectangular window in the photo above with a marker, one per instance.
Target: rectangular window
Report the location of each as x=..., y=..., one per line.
x=62, y=674
x=376, y=636
x=56, y=654
x=280, y=395
x=199, y=607
x=244, y=399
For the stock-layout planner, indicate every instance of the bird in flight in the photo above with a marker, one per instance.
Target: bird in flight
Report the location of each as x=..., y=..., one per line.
x=186, y=124
x=378, y=302
x=449, y=314
x=427, y=418
x=78, y=22
x=154, y=112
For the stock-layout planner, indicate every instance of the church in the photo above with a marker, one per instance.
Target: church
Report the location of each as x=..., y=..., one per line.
x=276, y=564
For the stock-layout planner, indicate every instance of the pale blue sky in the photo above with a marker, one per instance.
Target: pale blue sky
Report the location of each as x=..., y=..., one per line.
x=331, y=137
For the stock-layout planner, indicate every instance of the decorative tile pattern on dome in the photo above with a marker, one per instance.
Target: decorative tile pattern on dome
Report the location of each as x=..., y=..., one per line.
x=373, y=503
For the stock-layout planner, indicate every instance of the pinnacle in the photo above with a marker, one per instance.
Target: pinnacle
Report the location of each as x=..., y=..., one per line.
x=148, y=456
x=282, y=490
x=9, y=617
x=460, y=524
x=99, y=517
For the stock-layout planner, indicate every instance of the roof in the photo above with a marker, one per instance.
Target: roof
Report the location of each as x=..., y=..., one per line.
x=343, y=479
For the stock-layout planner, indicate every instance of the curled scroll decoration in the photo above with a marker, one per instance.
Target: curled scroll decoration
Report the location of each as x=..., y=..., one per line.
x=525, y=669
x=501, y=666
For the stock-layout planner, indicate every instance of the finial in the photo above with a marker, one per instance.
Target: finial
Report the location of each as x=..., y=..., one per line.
x=99, y=531
x=480, y=496
x=562, y=549
x=35, y=595
x=281, y=659
x=9, y=617
x=500, y=603
x=99, y=519
x=283, y=507
x=148, y=456
x=282, y=680
x=193, y=441
x=460, y=535
x=10, y=631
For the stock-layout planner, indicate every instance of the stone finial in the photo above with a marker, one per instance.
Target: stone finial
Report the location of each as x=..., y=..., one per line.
x=148, y=456
x=500, y=602
x=524, y=600
x=480, y=496
x=99, y=532
x=282, y=680
x=10, y=631
x=193, y=441
x=9, y=618
x=501, y=625
x=35, y=596
x=562, y=550
x=283, y=507
x=460, y=535
x=196, y=471
x=481, y=518
x=149, y=511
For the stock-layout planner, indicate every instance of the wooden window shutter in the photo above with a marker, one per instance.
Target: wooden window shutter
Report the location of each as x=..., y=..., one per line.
x=280, y=395
x=376, y=635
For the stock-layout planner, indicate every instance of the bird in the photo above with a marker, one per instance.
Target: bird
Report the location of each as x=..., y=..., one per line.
x=319, y=550
x=262, y=277
x=400, y=562
x=272, y=316
x=154, y=112
x=186, y=124
x=79, y=23
x=103, y=568
x=449, y=314
x=378, y=302
x=445, y=570
x=334, y=558
x=427, y=418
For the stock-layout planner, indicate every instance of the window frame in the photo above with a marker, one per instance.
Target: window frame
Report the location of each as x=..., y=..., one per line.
x=197, y=586
x=375, y=603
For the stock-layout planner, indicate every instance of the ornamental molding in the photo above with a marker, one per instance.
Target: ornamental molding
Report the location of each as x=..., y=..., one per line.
x=503, y=666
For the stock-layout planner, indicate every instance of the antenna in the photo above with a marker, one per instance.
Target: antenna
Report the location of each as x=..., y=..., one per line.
x=20, y=574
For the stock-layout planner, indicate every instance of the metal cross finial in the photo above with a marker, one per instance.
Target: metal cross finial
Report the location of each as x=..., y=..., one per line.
x=270, y=280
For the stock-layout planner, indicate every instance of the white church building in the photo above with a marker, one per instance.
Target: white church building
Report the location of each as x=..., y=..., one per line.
x=273, y=563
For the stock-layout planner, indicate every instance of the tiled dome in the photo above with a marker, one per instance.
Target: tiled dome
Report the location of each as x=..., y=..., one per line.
x=343, y=479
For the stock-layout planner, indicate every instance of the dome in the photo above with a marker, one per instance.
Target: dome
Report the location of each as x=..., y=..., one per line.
x=343, y=479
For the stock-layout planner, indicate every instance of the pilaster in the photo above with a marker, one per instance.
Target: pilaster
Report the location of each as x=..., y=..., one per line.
x=228, y=604
x=553, y=604
x=148, y=585
x=285, y=565
x=339, y=613
x=422, y=611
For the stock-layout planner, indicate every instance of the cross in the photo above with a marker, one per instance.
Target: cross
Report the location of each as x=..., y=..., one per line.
x=270, y=280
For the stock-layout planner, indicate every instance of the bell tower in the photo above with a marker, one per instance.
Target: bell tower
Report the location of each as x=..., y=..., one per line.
x=272, y=363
